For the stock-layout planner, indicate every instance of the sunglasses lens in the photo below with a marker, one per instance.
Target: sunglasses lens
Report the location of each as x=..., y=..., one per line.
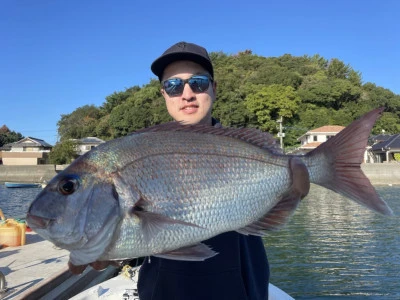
x=173, y=87
x=199, y=84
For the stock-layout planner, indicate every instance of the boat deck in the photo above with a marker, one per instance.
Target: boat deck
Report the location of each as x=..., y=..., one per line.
x=38, y=270
x=26, y=266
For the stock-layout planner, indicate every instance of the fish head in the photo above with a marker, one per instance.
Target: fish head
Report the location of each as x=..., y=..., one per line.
x=78, y=211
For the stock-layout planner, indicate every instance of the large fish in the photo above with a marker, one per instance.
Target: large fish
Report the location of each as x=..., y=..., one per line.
x=163, y=190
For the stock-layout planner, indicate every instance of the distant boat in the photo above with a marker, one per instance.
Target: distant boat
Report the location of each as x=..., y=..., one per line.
x=21, y=185
x=43, y=183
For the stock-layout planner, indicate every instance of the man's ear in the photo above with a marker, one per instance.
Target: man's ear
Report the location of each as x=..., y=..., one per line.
x=214, y=86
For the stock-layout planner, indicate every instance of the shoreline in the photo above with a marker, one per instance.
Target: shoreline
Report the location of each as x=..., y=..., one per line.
x=382, y=173
x=378, y=174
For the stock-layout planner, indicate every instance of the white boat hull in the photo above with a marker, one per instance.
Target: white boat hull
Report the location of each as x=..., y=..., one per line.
x=123, y=287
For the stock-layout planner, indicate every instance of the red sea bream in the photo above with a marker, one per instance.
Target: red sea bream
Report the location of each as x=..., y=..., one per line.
x=163, y=190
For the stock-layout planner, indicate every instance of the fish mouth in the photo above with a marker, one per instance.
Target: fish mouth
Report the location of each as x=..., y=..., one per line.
x=36, y=222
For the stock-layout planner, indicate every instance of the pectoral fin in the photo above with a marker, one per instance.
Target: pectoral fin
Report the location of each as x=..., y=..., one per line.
x=152, y=222
x=199, y=252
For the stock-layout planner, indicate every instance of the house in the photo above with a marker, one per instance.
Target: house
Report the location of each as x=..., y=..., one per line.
x=313, y=138
x=386, y=149
x=86, y=144
x=27, y=151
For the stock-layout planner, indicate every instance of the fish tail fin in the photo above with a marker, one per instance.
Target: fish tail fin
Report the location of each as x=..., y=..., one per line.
x=336, y=164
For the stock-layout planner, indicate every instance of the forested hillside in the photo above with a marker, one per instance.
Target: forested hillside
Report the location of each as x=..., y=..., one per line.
x=252, y=91
x=7, y=136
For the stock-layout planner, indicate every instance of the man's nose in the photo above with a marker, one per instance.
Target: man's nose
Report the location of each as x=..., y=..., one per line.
x=188, y=93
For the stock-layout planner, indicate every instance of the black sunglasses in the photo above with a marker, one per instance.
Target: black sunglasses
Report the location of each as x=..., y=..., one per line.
x=198, y=83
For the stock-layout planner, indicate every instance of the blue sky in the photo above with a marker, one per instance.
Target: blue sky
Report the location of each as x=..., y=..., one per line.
x=56, y=56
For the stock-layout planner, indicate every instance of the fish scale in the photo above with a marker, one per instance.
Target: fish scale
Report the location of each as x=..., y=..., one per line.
x=218, y=198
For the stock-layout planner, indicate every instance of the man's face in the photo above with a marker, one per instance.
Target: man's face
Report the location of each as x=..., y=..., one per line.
x=189, y=107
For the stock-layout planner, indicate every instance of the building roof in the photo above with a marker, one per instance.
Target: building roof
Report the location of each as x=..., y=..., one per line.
x=393, y=142
x=90, y=140
x=327, y=129
x=6, y=147
x=379, y=138
x=311, y=145
x=31, y=141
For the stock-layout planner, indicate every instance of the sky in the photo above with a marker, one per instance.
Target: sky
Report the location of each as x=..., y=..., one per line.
x=57, y=56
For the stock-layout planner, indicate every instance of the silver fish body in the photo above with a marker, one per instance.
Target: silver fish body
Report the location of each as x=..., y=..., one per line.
x=163, y=190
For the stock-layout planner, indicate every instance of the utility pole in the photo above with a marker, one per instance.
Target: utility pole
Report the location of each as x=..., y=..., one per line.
x=281, y=135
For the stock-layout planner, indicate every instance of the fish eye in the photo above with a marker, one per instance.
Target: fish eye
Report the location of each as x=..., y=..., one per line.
x=68, y=185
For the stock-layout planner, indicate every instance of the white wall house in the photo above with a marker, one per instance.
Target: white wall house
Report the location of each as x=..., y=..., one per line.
x=87, y=143
x=313, y=138
x=27, y=151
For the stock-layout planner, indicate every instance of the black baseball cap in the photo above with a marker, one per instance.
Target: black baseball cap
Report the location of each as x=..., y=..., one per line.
x=182, y=51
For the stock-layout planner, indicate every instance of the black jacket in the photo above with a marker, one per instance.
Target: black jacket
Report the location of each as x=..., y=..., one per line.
x=239, y=271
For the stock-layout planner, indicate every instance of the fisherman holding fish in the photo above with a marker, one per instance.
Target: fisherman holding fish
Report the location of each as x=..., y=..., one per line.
x=240, y=270
x=191, y=196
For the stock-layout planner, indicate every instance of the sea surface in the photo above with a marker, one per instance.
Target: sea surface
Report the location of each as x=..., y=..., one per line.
x=331, y=248
x=15, y=201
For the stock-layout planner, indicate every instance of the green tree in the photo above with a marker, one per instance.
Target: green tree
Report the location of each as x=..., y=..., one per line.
x=116, y=99
x=312, y=116
x=7, y=136
x=103, y=129
x=331, y=93
x=272, y=102
x=63, y=152
x=143, y=109
x=355, y=78
x=337, y=69
x=319, y=61
x=80, y=123
x=320, y=92
x=388, y=123
x=378, y=97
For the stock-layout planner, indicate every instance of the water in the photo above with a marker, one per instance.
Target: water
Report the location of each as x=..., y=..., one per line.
x=15, y=201
x=330, y=249
x=333, y=248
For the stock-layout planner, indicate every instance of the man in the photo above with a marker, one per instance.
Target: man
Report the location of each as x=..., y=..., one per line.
x=240, y=270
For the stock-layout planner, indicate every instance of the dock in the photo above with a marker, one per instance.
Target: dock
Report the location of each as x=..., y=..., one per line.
x=26, y=266
x=39, y=270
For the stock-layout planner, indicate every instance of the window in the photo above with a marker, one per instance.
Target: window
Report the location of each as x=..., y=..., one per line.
x=315, y=138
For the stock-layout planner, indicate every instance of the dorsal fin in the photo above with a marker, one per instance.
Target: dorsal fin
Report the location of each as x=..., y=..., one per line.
x=253, y=136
